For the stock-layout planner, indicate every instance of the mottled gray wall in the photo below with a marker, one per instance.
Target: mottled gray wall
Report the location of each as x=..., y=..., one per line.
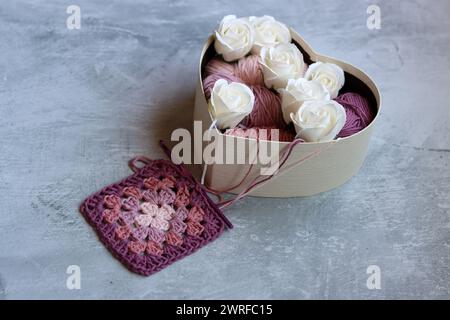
x=75, y=105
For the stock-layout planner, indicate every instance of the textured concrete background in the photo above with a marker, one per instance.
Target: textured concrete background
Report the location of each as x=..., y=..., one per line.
x=76, y=105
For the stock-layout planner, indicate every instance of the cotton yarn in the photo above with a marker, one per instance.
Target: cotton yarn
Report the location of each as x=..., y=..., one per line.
x=247, y=70
x=358, y=111
x=267, y=109
x=218, y=66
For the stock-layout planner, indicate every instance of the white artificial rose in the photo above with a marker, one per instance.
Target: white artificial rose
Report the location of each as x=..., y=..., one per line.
x=318, y=121
x=298, y=91
x=280, y=63
x=329, y=74
x=234, y=38
x=230, y=103
x=268, y=32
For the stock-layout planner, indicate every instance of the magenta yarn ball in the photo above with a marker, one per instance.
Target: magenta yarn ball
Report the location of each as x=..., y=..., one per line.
x=358, y=111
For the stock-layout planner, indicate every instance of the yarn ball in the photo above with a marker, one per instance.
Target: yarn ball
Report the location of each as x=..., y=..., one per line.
x=249, y=71
x=358, y=111
x=219, y=66
x=255, y=133
x=267, y=108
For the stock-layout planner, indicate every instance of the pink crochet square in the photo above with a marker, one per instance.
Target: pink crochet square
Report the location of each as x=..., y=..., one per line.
x=154, y=217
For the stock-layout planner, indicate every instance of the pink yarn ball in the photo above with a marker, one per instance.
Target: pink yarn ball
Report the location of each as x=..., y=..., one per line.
x=267, y=109
x=358, y=111
x=249, y=71
x=219, y=66
x=255, y=133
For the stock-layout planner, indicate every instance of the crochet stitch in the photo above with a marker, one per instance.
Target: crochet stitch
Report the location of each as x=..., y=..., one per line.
x=154, y=217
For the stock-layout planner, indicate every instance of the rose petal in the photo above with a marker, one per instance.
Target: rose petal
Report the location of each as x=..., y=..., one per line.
x=297, y=92
x=230, y=103
x=319, y=121
x=234, y=38
x=280, y=63
x=329, y=74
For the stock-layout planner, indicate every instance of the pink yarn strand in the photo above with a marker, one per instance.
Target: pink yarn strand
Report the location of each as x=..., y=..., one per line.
x=257, y=182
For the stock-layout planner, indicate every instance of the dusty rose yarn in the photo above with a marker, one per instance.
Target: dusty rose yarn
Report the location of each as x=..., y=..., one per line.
x=249, y=71
x=267, y=109
x=218, y=66
x=358, y=111
x=154, y=217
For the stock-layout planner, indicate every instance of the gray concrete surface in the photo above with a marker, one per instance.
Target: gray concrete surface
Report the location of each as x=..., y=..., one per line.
x=75, y=105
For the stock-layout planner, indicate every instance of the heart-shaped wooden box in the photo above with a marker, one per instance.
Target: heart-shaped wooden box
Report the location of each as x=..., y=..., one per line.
x=333, y=166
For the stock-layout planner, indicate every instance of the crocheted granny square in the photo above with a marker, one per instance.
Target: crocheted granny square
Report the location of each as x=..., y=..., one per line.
x=154, y=217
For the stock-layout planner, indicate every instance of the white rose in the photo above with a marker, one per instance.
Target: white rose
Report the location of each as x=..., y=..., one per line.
x=280, y=63
x=268, y=32
x=329, y=74
x=318, y=121
x=230, y=103
x=298, y=91
x=234, y=38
